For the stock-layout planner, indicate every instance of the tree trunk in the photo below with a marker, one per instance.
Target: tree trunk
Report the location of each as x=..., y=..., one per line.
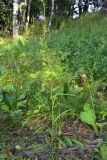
x=28, y=13
x=24, y=13
x=52, y=12
x=104, y=7
x=15, y=19
x=80, y=5
x=75, y=9
x=86, y=5
x=91, y=6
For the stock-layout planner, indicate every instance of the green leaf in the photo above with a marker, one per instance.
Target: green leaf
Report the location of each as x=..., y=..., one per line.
x=68, y=140
x=79, y=144
x=5, y=107
x=61, y=143
x=103, y=150
x=21, y=103
x=10, y=99
x=2, y=157
x=62, y=114
x=88, y=116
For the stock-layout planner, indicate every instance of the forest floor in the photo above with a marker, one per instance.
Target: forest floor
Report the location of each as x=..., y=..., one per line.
x=26, y=144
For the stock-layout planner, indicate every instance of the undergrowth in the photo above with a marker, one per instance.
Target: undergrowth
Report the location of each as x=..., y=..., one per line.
x=53, y=78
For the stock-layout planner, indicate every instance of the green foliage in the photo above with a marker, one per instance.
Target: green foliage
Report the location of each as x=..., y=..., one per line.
x=40, y=77
x=82, y=48
x=69, y=52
